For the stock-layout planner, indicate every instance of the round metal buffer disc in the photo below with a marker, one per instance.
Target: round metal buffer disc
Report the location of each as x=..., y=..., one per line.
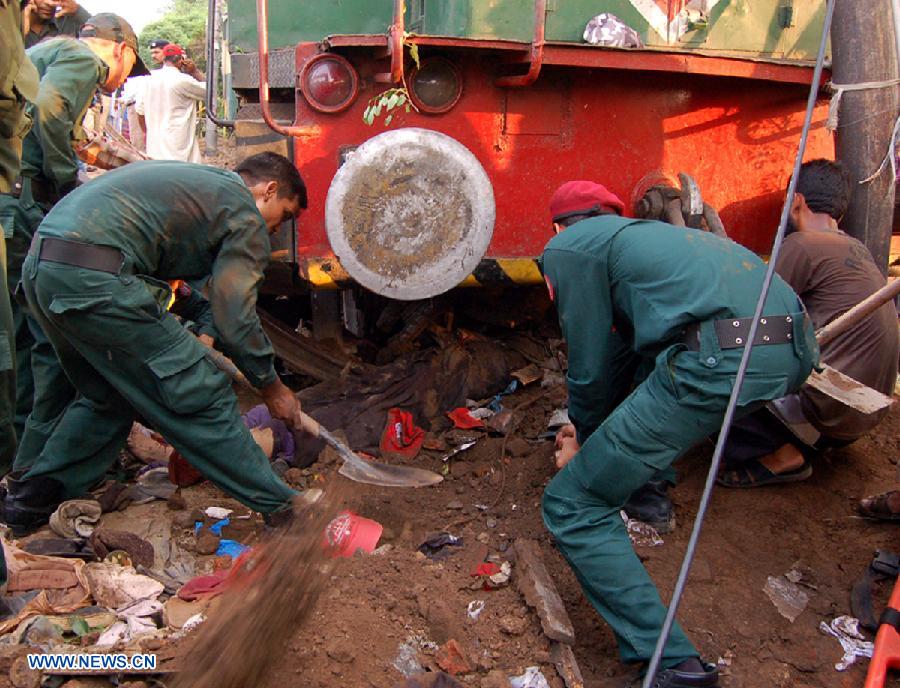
x=410, y=214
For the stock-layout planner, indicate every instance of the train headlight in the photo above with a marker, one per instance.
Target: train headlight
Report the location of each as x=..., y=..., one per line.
x=329, y=82
x=436, y=86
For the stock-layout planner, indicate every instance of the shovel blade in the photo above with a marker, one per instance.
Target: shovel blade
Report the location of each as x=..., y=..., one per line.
x=387, y=475
x=848, y=391
x=374, y=473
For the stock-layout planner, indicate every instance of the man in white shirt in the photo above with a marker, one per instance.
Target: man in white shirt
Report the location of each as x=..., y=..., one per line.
x=169, y=107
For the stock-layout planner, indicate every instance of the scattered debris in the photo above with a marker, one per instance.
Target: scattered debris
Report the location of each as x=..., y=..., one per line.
x=463, y=419
x=566, y=665
x=641, y=534
x=150, y=485
x=558, y=418
x=532, y=678
x=500, y=422
x=491, y=575
x=435, y=546
x=218, y=512
x=349, y=533
x=135, y=621
x=537, y=587
x=432, y=679
x=460, y=449
x=115, y=586
x=105, y=540
x=401, y=438
x=407, y=659
x=474, y=609
x=846, y=630
x=76, y=518
x=452, y=659
x=513, y=625
x=496, y=404
x=528, y=374
x=789, y=598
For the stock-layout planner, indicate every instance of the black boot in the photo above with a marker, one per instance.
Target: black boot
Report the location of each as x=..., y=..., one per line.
x=650, y=504
x=28, y=504
x=699, y=675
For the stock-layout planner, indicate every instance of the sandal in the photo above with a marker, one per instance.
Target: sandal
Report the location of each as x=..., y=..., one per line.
x=755, y=474
x=878, y=508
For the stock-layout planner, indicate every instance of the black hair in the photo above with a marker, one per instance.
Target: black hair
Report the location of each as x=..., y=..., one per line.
x=570, y=220
x=173, y=59
x=272, y=167
x=825, y=186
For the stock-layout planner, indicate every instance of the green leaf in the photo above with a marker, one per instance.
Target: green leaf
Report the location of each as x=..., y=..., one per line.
x=387, y=120
x=392, y=101
x=401, y=98
x=80, y=626
x=414, y=54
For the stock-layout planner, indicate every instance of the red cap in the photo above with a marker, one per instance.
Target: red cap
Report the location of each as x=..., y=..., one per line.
x=172, y=50
x=581, y=198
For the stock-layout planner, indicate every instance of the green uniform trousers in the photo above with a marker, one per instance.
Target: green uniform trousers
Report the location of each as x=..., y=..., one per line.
x=125, y=354
x=682, y=401
x=7, y=371
x=42, y=389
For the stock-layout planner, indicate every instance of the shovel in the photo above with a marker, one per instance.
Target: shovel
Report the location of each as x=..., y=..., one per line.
x=842, y=387
x=354, y=468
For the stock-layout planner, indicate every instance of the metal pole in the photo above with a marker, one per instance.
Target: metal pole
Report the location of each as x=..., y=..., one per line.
x=895, y=5
x=863, y=40
x=212, y=78
x=211, y=114
x=742, y=368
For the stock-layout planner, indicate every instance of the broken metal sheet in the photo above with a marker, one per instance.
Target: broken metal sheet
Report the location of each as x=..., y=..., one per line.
x=410, y=214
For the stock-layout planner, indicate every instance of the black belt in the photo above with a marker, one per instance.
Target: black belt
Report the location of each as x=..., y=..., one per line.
x=77, y=254
x=732, y=332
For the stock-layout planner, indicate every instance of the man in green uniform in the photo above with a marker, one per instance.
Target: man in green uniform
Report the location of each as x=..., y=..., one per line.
x=96, y=280
x=52, y=18
x=18, y=81
x=632, y=291
x=71, y=72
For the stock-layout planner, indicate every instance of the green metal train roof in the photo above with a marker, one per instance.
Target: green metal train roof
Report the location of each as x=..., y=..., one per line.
x=761, y=29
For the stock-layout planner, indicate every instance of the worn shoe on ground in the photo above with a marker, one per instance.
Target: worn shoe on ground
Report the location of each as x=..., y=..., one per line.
x=675, y=678
x=650, y=504
x=28, y=504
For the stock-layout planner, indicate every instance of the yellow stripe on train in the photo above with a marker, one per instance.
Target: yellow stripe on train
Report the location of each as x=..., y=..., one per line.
x=327, y=273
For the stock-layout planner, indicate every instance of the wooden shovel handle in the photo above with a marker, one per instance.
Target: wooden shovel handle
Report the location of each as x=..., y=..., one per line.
x=309, y=425
x=859, y=312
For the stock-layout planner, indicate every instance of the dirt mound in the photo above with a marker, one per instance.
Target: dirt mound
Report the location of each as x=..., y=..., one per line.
x=273, y=594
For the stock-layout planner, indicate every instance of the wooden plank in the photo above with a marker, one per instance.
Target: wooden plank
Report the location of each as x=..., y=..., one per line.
x=566, y=665
x=537, y=587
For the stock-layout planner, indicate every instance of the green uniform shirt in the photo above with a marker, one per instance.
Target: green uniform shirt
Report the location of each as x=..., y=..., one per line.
x=70, y=75
x=624, y=287
x=18, y=82
x=176, y=220
x=62, y=26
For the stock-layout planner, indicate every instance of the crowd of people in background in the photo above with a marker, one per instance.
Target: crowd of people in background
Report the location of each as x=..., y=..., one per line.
x=156, y=112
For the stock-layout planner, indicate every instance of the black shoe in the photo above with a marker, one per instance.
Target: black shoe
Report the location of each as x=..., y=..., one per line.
x=650, y=504
x=676, y=678
x=28, y=504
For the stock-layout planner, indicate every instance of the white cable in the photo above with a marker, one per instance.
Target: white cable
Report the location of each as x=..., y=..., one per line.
x=890, y=157
x=833, y=107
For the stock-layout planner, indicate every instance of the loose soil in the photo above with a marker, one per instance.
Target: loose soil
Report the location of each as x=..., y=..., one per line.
x=372, y=604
